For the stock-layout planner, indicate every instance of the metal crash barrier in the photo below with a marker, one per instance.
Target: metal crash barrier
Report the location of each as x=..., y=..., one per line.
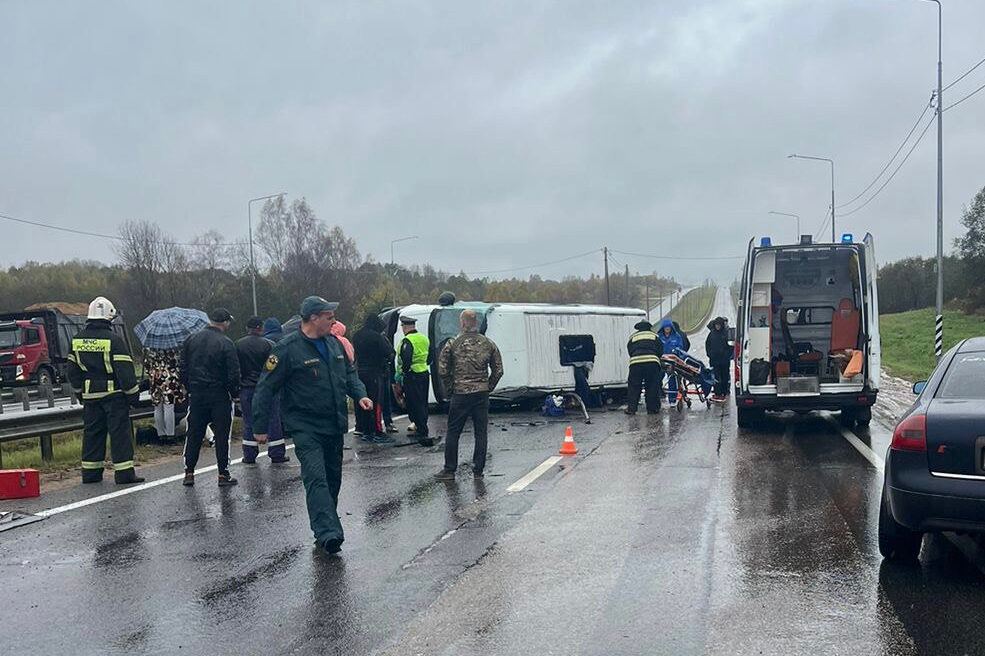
x=49, y=420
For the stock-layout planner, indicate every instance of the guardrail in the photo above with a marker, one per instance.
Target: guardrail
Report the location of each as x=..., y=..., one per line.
x=11, y=394
x=25, y=397
x=43, y=423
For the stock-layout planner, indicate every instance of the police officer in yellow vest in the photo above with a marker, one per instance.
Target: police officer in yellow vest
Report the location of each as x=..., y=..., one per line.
x=100, y=366
x=413, y=361
x=645, y=350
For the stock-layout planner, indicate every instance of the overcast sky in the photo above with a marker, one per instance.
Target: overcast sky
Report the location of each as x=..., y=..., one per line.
x=502, y=133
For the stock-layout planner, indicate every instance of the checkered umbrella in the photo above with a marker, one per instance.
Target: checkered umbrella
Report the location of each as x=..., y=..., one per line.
x=168, y=329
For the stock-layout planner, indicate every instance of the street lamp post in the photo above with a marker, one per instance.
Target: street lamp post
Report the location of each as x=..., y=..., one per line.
x=832, y=163
x=253, y=267
x=394, y=241
x=796, y=216
x=939, y=321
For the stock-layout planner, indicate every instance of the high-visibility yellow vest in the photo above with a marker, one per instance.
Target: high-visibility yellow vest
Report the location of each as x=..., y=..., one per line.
x=419, y=364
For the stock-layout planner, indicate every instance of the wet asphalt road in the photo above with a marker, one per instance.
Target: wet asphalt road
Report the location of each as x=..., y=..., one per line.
x=673, y=534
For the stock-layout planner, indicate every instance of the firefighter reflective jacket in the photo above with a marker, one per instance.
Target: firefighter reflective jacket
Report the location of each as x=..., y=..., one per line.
x=643, y=347
x=100, y=363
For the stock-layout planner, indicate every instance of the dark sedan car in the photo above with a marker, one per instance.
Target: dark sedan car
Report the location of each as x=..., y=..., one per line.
x=935, y=466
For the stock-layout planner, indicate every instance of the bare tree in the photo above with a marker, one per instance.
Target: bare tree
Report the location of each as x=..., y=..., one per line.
x=156, y=264
x=210, y=258
x=140, y=254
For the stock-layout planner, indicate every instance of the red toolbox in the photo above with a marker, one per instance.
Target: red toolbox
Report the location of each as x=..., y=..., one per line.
x=19, y=483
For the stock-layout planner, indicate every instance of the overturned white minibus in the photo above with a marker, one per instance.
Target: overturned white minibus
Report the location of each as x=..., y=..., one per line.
x=539, y=343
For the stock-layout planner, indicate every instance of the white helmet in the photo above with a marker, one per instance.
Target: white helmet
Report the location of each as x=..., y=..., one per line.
x=101, y=308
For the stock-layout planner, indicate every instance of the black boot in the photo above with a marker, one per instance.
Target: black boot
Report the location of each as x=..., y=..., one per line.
x=92, y=475
x=127, y=477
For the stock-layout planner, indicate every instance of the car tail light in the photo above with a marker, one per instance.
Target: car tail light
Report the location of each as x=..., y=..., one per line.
x=911, y=434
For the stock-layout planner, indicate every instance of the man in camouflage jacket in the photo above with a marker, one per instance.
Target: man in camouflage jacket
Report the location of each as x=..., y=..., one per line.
x=470, y=366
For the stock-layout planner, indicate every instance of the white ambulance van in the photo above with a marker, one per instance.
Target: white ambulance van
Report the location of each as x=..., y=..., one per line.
x=807, y=331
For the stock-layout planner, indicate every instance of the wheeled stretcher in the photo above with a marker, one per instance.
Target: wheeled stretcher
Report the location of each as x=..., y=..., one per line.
x=693, y=377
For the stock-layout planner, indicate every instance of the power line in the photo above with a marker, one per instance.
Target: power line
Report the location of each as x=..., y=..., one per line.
x=956, y=103
x=54, y=227
x=895, y=171
x=87, y=233
x=533, y=266
x=891, y=159
x=673, y=257
x=824, y=222
x=964, y=75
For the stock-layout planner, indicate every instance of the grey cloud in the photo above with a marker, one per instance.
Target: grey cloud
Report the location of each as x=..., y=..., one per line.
x=502, y=133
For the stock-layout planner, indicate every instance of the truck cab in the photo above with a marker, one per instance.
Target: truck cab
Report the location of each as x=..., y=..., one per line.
x=24, y=357
x=35, y=343
x=807, y=333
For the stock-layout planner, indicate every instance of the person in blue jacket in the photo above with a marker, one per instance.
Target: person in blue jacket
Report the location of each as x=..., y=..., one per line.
x=671, y=339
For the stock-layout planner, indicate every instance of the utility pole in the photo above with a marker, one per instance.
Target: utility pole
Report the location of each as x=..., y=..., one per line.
x=647, y=298
x=939, y=320
x=605, y=255
x=627, y=286
x=834, y=238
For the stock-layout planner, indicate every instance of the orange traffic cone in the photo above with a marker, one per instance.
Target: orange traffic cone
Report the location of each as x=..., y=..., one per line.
x=568, y=446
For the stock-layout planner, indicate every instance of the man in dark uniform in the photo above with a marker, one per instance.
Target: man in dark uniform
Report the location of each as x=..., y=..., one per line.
x=414, y=361
x=253, y=350
x=374, y=353
x=210, y=372
x=100, y=366
x=311, y=372
x=645, y=350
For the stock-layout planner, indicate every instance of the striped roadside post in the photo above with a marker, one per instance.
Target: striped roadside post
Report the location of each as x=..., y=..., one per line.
x=939, y=337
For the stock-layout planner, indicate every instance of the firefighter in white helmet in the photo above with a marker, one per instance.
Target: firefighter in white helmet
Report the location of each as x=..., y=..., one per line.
x=100, y=369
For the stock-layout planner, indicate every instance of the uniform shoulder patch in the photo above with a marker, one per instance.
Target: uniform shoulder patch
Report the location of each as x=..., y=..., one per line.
x=271, y=363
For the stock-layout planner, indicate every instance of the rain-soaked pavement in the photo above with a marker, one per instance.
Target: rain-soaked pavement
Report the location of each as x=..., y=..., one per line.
x=669, y=534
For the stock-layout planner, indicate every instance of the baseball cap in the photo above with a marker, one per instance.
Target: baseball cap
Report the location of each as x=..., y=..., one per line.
x=220, y=315
x=254, y=322
x=315, y=305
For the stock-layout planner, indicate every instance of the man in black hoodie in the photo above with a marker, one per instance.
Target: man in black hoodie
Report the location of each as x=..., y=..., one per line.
x=210, y=372
x=374, y=353
x=719, y=355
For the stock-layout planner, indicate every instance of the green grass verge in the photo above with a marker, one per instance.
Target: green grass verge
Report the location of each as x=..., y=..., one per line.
x=908, y=339
x=693, y=309
x=67, y=450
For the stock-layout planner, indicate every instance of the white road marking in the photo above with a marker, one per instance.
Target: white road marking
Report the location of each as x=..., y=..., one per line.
x=146, y=486
x=859, y=445
x=534, y=474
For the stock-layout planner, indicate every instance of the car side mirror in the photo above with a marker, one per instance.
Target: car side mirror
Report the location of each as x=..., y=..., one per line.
x=919, y=386
x=731, y=334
